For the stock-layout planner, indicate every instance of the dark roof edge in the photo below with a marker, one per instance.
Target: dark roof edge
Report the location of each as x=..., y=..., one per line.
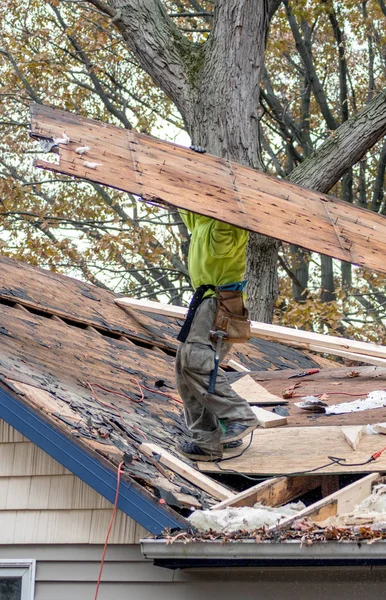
x=91, y=469
x=248, y=553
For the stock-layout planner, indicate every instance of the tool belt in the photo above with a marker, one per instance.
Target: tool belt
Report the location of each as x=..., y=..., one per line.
x=231, y=316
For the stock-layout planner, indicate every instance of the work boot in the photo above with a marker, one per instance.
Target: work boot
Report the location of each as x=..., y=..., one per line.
x=194, y=452
x=236, y=431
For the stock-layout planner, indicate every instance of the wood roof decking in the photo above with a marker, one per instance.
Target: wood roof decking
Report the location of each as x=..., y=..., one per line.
x=57, y=334
x=214, y=187
x=87, y=305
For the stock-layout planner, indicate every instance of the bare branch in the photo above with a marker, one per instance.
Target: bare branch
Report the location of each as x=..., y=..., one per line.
x=344, y=148
x=306, y=56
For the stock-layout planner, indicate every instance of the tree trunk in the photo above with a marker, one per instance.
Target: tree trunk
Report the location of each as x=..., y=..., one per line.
x=327, y=280
x=223, y=118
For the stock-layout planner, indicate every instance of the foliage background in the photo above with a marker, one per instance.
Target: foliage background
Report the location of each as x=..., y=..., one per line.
x=68, y=54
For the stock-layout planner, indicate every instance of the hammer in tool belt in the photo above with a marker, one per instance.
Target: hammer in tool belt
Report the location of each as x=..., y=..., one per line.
x=220, y=335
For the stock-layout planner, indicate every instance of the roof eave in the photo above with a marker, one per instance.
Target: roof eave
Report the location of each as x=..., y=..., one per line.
x=248, y=553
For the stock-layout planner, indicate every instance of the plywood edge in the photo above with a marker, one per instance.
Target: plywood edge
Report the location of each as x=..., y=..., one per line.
x=187, y=472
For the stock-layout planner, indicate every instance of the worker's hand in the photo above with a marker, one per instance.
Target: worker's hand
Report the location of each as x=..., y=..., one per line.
x=198, y=149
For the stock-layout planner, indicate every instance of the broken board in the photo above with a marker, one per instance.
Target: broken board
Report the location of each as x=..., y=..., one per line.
x=165, y=173
x=298, y=450
x=186, y=471
x=352, y=434
x=254, y=393
x=266, y=418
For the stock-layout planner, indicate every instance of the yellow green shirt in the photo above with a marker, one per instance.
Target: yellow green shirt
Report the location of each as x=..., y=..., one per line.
x=217, y=252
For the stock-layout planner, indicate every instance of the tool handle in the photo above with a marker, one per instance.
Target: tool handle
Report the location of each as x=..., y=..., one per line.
x=312, y=371
x=213, y=377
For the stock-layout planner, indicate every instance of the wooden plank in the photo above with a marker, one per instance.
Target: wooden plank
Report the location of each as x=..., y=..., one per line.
x=273, y=492
x=352, y=435
x=237, y=366
x=186, y=471
x=276, y=333
x=379, y=427
x=254, y=393
x=299, y=450
x=267, y=418
x=342, y=501
x=371, y=360
x=213, y=187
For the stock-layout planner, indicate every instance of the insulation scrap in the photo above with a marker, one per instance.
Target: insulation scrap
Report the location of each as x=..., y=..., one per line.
x=242, y=518
x=91, y=165
x=371, y=511
x=82, y=149
x=62, y=140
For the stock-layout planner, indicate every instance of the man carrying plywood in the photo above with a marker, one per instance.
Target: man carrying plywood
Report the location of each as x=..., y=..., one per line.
x=217, y=317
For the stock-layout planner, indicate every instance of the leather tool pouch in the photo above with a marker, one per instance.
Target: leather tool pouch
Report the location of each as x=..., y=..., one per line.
x=231, y=317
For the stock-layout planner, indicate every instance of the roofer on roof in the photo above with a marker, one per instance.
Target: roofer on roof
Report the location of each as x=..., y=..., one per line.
x=217, y=260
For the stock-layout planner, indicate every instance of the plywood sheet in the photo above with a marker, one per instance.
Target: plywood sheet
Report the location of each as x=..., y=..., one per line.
x=214, y=187
x=291, y=450
x=254, y=393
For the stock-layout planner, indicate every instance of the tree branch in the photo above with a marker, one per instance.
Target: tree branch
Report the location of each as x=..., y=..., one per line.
x=162, y=50
x=306, y=56
x=345, y=147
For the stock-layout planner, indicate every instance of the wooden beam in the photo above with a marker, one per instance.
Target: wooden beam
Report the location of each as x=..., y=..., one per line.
x=326, y=343
x=273, y=492
x=237, y=366
x=186, y=471
x=342, y=501
x=266, y=418
x=254, y=393
x=166, y=173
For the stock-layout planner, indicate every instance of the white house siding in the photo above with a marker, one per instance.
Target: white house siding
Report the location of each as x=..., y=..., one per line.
x=43, y=503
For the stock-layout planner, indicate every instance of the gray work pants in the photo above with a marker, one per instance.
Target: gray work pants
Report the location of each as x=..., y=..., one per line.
x=194, y=363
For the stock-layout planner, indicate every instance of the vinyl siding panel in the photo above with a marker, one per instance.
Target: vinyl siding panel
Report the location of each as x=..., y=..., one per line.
x=43, y=503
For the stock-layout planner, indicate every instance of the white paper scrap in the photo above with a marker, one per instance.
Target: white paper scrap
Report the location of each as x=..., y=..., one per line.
x=376, y=399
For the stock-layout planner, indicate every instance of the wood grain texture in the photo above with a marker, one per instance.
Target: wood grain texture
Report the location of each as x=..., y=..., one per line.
x=272, y=492
x=214, y=187
x=291, y=450
x=84, y=305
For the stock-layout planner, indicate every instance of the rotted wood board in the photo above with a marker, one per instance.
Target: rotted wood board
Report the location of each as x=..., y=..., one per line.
x=86, y=305
x=291, y=450
x=165, y=173
x=79, y=302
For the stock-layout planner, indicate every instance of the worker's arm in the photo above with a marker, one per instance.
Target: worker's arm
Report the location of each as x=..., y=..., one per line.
x=188, y=218
x=226, y=240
